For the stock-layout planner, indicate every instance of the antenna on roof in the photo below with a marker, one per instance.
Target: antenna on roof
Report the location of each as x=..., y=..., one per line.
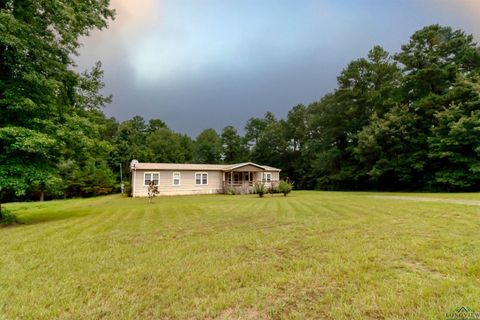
x=133, y=164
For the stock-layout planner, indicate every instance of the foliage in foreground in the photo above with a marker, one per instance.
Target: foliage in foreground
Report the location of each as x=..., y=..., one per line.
x=7, y=217
x=48, y=112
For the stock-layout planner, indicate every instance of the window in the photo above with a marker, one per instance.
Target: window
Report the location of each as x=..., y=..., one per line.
x=236, y=178
x=176, y=179
x=267, y=177
x=155, y=177
x=201, y=178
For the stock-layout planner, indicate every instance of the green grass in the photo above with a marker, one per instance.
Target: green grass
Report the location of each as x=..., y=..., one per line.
x=312, y=255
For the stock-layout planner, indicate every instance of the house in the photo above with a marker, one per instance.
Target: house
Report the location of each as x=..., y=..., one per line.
x=186, y=178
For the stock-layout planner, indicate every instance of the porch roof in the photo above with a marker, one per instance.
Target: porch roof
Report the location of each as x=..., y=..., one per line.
x=249, y=166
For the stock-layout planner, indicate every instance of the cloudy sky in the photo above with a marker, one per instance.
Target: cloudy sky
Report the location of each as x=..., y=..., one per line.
x=209, y=63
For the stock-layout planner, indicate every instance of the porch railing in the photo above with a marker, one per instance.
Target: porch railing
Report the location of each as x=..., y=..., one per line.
x=247, y=186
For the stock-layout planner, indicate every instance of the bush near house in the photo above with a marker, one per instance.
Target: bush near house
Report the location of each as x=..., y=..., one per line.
x=231, y=191
x=260, y=189
x=6, y=217
x=285, y=187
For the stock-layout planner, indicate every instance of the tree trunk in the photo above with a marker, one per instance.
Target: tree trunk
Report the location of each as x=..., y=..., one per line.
x=42, y=195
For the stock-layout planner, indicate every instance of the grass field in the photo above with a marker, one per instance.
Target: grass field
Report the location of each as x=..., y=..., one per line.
x=312, y=255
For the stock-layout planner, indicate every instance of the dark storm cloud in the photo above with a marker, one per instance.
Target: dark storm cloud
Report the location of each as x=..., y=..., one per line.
x=200, y=64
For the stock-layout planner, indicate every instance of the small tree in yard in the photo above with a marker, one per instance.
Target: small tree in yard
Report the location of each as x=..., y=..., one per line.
x=285, y=187
x=260, y=189
x=152, y=191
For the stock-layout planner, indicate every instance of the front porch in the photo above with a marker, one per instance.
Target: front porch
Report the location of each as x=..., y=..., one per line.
x=243, y=182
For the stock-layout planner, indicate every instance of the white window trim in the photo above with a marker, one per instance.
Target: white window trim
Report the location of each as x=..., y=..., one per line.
x=201, y=179
x=152, y=173
x=179, y=179
x=265, y=174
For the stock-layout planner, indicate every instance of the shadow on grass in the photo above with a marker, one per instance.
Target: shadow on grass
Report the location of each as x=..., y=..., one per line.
x=50, y=217
x=42, y=212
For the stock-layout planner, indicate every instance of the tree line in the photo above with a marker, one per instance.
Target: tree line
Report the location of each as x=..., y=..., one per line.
x=407, y=121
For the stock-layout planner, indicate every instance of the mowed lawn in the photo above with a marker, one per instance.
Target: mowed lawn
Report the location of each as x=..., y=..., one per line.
x=311, y=255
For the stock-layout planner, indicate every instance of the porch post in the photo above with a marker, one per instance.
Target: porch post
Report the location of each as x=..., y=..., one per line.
x=224, y=184
x=133, y=183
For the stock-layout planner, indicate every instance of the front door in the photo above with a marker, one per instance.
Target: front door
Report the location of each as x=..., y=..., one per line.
x=246, y=177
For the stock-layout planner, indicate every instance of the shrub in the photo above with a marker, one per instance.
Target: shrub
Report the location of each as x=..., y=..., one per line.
x=152, y=191
x=260, y=189
x=7, y=217
x=127, y=188
x=231, y=191
x=285, y=187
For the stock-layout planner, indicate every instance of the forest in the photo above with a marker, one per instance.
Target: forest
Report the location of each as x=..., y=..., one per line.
x=396, y=121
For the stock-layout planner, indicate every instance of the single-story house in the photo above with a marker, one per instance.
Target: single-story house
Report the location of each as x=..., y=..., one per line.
x=189, y=178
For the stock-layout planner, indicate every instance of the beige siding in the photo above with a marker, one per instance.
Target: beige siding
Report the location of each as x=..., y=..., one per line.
x=187, y=183
x=275, y=175
x=258, y=176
